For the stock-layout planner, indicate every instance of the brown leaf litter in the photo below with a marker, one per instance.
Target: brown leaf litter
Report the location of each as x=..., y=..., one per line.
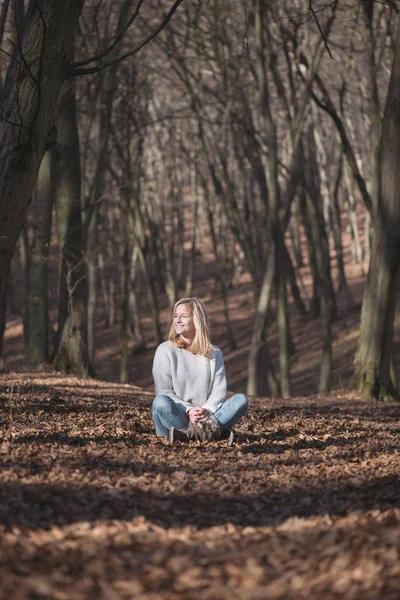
x=305, y=504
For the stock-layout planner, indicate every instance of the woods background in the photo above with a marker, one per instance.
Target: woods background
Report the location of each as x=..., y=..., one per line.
x=241, y=151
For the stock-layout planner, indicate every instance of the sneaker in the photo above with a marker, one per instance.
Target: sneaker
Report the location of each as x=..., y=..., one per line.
x=175, y=435
x=191, y=434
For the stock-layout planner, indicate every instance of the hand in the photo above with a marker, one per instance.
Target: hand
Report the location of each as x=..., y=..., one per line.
x=197, y=413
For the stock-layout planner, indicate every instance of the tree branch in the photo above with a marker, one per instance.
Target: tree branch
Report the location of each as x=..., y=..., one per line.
x=320, y=28
x=74, y=69
x=111, y=47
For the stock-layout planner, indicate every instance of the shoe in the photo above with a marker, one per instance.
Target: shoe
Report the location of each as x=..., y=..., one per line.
x=206, y=430
x=210, y=428
x=192, y=433
x=175, y=435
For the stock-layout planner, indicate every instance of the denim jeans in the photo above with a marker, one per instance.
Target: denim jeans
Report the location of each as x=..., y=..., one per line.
x=167, y=413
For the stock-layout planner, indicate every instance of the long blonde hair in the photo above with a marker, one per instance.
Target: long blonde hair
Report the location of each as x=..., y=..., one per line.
x=201, y=342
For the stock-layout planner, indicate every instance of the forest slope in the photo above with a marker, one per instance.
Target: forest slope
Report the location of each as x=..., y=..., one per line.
x=305, y=504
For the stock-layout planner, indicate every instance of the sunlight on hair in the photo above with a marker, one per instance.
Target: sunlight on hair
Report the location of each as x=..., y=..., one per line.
x=201, y=343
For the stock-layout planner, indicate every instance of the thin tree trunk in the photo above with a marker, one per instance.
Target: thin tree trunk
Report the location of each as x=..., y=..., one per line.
x=373, y=105
x=337, y=232
x=195, y=226
x=123, y=373
x=367, y=237
x=142, y=246
x=325, y=378
x=321, y=249
x=295, y=237
x=102, y=133
x=92, y=270
x=3, y=18
x=283, y=334
x=220, y=260
x=356, y=245
x=3, y=315
x=291, y=273
x=271, y=169
x=259, y=325
x=315, y=299
x=324, y=301
x=111, y=303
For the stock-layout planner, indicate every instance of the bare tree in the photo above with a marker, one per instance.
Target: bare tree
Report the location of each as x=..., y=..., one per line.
x=33, y=81
x=373, y=375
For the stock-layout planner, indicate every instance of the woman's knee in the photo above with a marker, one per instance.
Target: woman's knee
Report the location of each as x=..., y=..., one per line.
x=161, y=402
x=242, y=402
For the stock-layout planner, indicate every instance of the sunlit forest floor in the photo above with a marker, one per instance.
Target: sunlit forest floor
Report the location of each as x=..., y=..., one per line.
x=305, y=504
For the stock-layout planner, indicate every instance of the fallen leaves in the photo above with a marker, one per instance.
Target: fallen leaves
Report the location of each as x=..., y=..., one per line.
x=93, y=505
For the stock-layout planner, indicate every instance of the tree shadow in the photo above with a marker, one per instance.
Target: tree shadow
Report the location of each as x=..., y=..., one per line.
x=46, y=505
x=314, y=444
x=63, y=437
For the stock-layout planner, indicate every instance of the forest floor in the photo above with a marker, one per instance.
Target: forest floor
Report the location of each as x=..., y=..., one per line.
x=304, y=505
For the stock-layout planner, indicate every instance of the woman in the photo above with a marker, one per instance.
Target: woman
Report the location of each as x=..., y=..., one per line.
x=190, y=382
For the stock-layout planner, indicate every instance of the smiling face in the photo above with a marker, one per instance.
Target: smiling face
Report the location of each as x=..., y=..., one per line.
x=183, y=323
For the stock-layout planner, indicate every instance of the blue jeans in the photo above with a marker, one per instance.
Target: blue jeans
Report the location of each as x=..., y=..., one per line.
x=167, y=413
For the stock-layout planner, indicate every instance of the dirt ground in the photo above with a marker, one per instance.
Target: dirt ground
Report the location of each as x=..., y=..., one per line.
x=304, y=505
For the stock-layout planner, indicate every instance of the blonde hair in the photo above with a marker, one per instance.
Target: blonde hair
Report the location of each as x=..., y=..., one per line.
x=201, y=342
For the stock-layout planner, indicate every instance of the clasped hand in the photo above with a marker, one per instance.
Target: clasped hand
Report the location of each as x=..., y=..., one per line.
x=196, y=413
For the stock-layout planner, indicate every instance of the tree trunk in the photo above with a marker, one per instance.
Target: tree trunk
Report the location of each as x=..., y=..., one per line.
x=135, y=218
x=372, y=376
x=356, y=245
x=283, y=329
x=123, y=373
x=367, y=237
x=134, y=318
x=3, y=314
x=102, y=134
x=321, y=251
x=373, y=358
x=220, y=259
x=337, y=232
x=72, y=353
x=374, y=104
x=36, y=313
x=271, y=168
x=3, y=18
x=291, y=273
x=29, y=111
x=191, y=263
x=231, y=335
x=260, y=319
x=295, y=237
x=315, y=300
x=92, y=269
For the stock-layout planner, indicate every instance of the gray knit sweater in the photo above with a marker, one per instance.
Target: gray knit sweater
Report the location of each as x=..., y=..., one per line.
x=190, y=379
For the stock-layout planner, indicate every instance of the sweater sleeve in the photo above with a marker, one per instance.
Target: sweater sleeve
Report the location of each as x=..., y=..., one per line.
x=217, y=395
x=163, y=378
